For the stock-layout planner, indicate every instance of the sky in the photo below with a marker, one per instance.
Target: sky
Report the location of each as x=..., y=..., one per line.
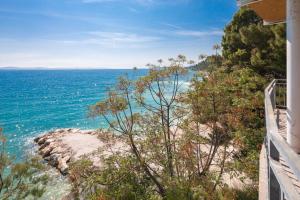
x=108, y=33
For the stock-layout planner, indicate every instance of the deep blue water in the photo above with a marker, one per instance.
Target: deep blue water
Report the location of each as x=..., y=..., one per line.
x=34, y=101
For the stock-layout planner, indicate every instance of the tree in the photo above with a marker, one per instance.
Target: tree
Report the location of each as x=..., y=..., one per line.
x=235, y=113
x=180, y=143
x=20, y=180
x=209, y=63
x=202, y=57
x=201, y=65
x=162, y=85
x=216, y=47
x=248, y=43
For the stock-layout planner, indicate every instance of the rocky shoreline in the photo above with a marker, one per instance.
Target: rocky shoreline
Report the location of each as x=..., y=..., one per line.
x=62, y=146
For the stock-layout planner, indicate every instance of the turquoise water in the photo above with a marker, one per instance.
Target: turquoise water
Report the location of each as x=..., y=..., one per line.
x=34, y=101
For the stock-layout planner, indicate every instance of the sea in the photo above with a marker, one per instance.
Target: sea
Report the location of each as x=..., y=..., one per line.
x=36, y=101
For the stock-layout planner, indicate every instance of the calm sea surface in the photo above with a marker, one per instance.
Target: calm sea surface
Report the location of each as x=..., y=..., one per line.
x=34, y=101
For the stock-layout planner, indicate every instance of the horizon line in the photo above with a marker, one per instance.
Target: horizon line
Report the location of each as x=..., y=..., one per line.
x=69, y=68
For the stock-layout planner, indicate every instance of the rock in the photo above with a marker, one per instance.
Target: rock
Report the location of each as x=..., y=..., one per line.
x=60, y=131
x=53, y=151
x=46, y=151
x=67, y=155
x=53, y=159
x=37, y=139
x=63, y=146
x=41, y=141
x=88, y=132
x=62, y=165
x=42, y=147
x=46, y=143
x=49, y=141
x=57, y=149
x=75, y=130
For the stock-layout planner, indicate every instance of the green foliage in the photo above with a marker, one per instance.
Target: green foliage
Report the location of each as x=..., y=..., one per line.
x=166, y=163
x=209, y=63
x=248, y=43
x=202, y=65
x=122, y=179
x=235, y=101
x=181, y=144
x=162, y=85
x=119, y=179
x=20, y=180
x=248, y=193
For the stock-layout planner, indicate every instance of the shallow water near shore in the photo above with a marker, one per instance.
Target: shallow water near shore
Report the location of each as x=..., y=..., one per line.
x=36, y=101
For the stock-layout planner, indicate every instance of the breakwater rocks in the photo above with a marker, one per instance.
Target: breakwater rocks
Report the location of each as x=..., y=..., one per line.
x=62, y=146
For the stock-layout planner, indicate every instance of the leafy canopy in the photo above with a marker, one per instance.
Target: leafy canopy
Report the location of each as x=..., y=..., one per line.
x=249, y=43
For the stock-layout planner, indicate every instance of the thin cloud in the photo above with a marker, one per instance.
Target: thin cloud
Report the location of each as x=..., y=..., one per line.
x=50, y=14
x=172, y=25
x=124, y=37
x=114, y=40
x=131, y=9
x=192, y=33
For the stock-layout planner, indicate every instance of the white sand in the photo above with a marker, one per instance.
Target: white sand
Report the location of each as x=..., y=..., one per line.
x=81, y=143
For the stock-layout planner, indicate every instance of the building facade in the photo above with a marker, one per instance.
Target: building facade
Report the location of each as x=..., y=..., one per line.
x=280, y=159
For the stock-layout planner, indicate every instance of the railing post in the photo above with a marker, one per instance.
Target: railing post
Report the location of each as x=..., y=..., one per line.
x=274, y=187
x=274, y=95
x=274, y=191
x=274, y=154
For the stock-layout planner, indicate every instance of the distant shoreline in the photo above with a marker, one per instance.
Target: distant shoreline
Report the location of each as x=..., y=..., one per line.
x=64, y=69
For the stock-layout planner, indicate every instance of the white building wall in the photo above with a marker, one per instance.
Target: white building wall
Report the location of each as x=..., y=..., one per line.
x=293, y=74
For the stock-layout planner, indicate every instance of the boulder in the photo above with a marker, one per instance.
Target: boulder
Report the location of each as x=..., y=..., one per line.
x=46, y=151
x=60, y=131
x=62, y=165
x=58, y=149
x=63, y=146
x=53, y=159
x=41, y=141
x=37, y=139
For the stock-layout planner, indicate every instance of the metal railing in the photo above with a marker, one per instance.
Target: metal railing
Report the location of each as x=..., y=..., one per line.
x=278, y=94
x=280, y=186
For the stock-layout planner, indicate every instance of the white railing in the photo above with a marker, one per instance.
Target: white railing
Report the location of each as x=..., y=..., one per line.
x=280, y=186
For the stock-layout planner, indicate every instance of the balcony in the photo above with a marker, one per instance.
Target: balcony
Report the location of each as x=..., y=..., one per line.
x=279, y=164
x=271, y=11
